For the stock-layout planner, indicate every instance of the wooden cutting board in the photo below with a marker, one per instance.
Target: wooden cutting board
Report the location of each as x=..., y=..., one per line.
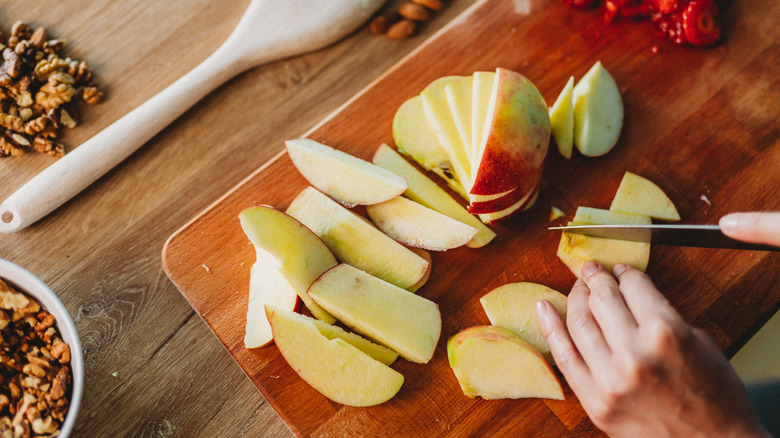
x=702, y=124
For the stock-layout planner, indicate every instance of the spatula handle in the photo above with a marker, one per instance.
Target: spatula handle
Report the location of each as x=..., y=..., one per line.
x=84, y=165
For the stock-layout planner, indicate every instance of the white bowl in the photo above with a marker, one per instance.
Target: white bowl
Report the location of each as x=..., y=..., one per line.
x=24, y=281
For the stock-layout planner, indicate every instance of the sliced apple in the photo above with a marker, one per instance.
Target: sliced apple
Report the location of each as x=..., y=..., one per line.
x=513, y=307
x=427, y=256
x=521, y=205
x=458, y=94
x=301, y=255
x=343, y=177
x=267, y=285
x=515, y=136
x=354, y=240
x=335, y=368
x=494, y=363
x=407, y=323
x=415, y=225
x=556, y=213
x=641, y=196
x=415, y=139
x=598, y=112
x=480, y=99
x=421, y=189
x=574, y=249
x=437, y=113
x=376, y=351
x=562, y=120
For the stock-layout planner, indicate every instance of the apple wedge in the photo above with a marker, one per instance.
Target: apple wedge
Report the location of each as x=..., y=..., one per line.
x=300, y=254
x=480, y=100
x=437, y=113
x=494, y=363
x=562, y=120
x=407, y=323
x=356, y=241
x=421, y=282
x=426, y=192
x=375, y=351
x=598, y=112
x=641, y=196
x=574, y=250
x=415, y=139
x=343, y=177
x=332, y=366
x=515, y=136
x=521, y=205
x=458, y=94
x=513, y=307
x=267, y=285
x=413, y=224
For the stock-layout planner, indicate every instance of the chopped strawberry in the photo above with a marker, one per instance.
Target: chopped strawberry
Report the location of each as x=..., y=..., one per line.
x=670, y=26
x=700, y=23
x=581, y=4
x=663, y=6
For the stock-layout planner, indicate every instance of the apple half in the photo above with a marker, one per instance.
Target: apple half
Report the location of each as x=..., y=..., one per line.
x=343, y=177
x=639, y=195
x=513, y=307
x=300, y=254
x=332, y=366
x=413, y=224
x=598, y=112
x=354, y=240
x=407, y=323
x=495, y=363
x=426, y=192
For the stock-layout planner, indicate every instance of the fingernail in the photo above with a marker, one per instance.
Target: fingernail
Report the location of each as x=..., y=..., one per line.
x=619, y=269
x=579, y=282
x=543, y=312
x=730, y=222
x=589, y=268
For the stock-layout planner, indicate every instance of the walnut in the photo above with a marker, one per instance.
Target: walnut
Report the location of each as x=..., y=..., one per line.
x=91, y=95
x=12, y=64
x=46, y=146
x=14, y=123
x=35, y=126
x=38, y=38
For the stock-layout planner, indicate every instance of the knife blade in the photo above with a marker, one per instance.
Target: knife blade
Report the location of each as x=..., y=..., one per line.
x=703, y=236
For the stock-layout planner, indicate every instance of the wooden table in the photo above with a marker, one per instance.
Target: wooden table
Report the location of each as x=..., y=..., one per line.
x=153, y=367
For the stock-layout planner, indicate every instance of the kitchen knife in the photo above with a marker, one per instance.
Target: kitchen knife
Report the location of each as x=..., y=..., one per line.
x=704, y=236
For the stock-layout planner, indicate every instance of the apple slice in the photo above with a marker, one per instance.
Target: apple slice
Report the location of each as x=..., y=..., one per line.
x=266, y=286
x=437, y=113
x=427, y=256
x=335, y=368
x=513, y=307
x=574, y=249
x=356, y=241
x=515, y=137
x=494, y=363
x=415, y=139
x=387, y=314
x=522, y=205
x=641, y=196
x=301, y=255
x=345, y=178
x=562, y=119
x=421, y=189
x=458, y=94
x=415, y=225
x=376, y=351
x=598, y=112
x=480, y=99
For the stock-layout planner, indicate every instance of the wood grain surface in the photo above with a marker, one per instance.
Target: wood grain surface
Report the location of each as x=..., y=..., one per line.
x=703, y=124
x=153, y=368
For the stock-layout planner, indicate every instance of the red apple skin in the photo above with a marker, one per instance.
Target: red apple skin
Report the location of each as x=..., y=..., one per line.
x=518, y=138
x=508, y=200
x=522, y=207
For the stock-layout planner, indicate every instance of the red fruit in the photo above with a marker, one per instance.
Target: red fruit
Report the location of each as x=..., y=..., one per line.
x=581, y=4
x=663, y=6
x=700, y=23
x=670, y=26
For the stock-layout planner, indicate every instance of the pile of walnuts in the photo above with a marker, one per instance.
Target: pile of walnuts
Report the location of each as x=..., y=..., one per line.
x=404, y=23
x=38, y=88
x=35, y=374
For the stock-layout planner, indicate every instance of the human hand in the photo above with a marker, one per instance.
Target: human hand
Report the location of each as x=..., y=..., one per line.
x=753, y=227
x=637, y=368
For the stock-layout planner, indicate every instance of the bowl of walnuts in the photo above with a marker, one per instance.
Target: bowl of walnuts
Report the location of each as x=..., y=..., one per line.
x=41, y=364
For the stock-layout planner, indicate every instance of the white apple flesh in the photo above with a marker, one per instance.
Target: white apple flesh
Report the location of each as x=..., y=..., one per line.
x=267, y=285
x=333, y=367
x=639, y=195
x=343, y=177
x=598, y=112
x=413, y=224
x=407, y=323
x=562, y=120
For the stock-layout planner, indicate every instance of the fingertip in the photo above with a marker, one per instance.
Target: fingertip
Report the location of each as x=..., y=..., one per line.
x=589, y=268
x=729, y=223
x=620, y=268
x=543, y=308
